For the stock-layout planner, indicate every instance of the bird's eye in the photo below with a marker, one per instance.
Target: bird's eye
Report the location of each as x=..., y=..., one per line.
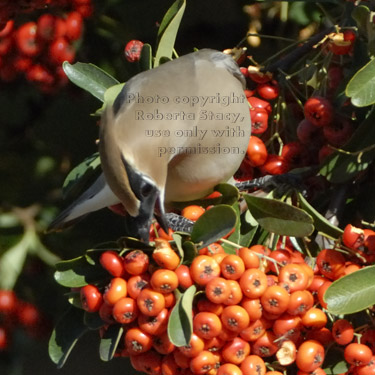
x=146, y=189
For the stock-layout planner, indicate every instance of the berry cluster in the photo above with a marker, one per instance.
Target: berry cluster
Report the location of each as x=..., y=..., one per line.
x=9, y=9
x=36, y=49
x=15, y=313
x=320, y=129
x=256, y=312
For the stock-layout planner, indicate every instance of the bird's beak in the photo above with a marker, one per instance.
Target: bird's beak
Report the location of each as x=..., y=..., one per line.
x=160, y=215
x=139, y=226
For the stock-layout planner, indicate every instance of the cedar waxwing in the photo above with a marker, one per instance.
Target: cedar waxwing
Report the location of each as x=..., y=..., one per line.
x=172, y=134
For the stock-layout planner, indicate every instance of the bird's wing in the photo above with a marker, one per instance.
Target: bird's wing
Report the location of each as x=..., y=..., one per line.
x=96, y=197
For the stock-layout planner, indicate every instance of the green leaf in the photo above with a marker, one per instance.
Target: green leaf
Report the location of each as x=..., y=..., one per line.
x=320, y=222
x=111, y=94
x=145, y=60
x=93, y=320
x=352, y=293
x=361, y=88
x=78, y=272
x=230, y=193
x=235, y=236
x=248, y=228
x=180, y=324
x=335, y=363
x=280, y=218
x=65, y=335
x=168, y=30
x=190, y=252
x=213, y=224
x=90, y=78
x=361, y=14
x=74, y=298
x=303, y=13
x=177, y=238
x=341, y=167
x=110, y=341
x=13, y=259
x=79, y=177
x=9, y=220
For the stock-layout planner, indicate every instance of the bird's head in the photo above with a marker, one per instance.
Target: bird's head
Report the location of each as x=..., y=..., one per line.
x=134, y=179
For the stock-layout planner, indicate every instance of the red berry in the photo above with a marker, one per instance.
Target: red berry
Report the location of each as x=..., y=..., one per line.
x=259, y=120
x=28, y=314
x=257, y=76
x=113, y=263
x=353, y=237
x=91, y=298
x=133, y=50
x=342, y=43
x=338, y=132
x=318, y=111
x=60, y=50
x=268, y=90
x=7, y=29
x=39, y=74
x=8, y=301
x=256, y=151
x=46, y=29
x=274, y=164
x=74, y=23
x=256, y=103
x=295, y=154
x=26, y=39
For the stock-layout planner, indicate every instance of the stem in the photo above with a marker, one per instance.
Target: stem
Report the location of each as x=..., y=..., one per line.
x=258, y=254
x=272, y=37
x=296, y=54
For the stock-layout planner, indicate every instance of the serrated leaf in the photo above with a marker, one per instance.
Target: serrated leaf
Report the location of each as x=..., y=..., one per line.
x=279, y=217
x=65, y=335
x=79, y=177
x=90, y=78
x=352, y=293
x=361, y=88
x=168, y=30
x=320, y=222
x=341, y=167
x=78, y=272
x=110, y=341
x=213, y=224
x=180, y=324
x=145, y=61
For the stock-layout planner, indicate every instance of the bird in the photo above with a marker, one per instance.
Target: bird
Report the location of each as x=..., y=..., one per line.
x=171, y=135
